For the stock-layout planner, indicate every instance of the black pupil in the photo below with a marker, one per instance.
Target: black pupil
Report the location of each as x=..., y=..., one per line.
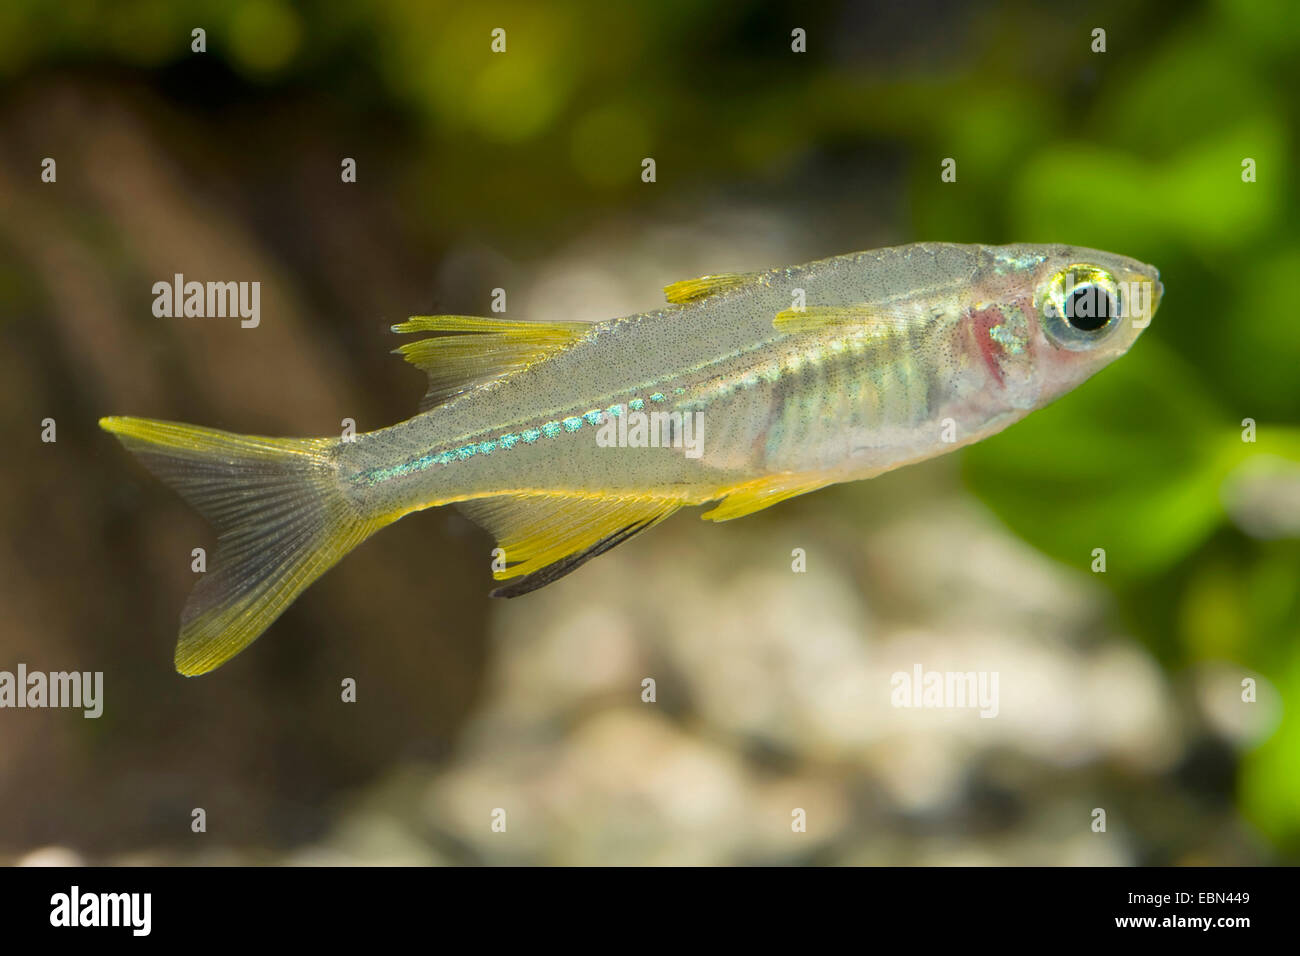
x=1089, y=308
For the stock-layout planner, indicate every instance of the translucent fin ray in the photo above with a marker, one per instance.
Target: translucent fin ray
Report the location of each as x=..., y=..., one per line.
x=818, y=318
x=474, y=351
x=545, y=537
x=688, y=290
x=762, y=493
x=280, y=517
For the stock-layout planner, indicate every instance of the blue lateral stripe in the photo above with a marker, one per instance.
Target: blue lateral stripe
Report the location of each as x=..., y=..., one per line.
x=507, y=440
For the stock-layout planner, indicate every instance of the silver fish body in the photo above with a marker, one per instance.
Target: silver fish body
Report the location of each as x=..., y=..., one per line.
x=567, y=439
x=850, y=401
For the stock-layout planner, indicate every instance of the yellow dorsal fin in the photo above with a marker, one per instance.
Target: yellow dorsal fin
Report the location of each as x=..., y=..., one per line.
x=478, y=350
x=544, y=537
x=745, y=499
x=818, y=318
x=688, y=290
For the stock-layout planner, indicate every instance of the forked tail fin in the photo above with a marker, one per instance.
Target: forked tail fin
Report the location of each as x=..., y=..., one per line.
x=281, y=517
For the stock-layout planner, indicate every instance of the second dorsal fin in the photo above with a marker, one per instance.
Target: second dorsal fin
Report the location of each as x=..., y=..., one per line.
x=474, y=351
x=688, y=290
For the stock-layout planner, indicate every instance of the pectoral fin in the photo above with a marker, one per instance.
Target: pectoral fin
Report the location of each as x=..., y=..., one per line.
x=762, y=493
x=877, y=319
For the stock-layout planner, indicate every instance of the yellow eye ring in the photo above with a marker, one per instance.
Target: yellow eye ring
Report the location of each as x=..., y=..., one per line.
x=1080, y=305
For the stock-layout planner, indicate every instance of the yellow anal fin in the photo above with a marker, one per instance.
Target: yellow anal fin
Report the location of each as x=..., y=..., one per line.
x=762, y=493
x=545, y=537
x=688, y=290
x=873, y=319
x=473, y=351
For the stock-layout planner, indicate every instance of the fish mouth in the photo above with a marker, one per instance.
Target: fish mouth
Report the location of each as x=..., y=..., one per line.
x=1141, y=272
x=1157, y=288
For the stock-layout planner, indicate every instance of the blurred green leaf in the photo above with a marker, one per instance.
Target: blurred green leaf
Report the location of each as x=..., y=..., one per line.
x=1129, y=462
x=1105, y=198
x=1270, y=776
x=1259, y=351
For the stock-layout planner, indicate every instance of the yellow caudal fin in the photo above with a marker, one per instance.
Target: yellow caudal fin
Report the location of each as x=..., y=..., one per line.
x=545, y=537
x=475, y=351
x=281, y=522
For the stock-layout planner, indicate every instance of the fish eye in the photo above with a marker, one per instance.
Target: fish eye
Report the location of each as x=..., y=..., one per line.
x=1080, y=306
x=1089, y=308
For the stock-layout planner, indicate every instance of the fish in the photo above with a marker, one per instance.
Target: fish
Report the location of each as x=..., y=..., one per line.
x=565, y=439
